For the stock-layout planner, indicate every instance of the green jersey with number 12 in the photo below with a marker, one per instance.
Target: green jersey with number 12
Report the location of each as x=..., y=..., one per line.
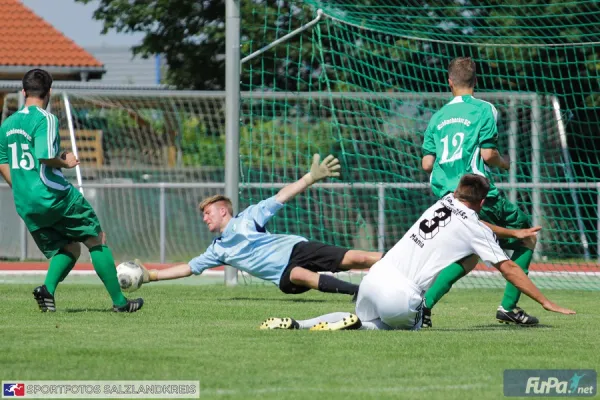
x=455, y=136
x=41, y=193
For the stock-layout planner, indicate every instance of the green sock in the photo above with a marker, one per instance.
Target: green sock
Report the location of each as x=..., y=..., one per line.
x=443, y=283
x=104, y=264
x=60, y=266
x=522, y=257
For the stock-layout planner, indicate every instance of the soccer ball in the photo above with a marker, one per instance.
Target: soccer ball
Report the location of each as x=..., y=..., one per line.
x=130, y=276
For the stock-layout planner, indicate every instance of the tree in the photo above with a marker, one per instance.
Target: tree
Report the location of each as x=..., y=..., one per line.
x=190, y=34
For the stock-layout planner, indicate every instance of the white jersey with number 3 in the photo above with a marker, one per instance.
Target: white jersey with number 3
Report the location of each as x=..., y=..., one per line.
x=447, y=232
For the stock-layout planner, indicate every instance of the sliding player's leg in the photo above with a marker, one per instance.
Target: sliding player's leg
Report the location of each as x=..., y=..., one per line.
x=359, y=259
x=502, y=212
x=306, y=261
x=299, y=280
x=331, y=318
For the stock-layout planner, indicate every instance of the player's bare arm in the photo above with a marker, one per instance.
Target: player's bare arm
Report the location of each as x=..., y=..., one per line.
x=175, y=272
x=427, y=163
x=517, y=277
x=5, y=172
x=505, y=233
x=65, y=160
x=493, y=158
x=330, y=166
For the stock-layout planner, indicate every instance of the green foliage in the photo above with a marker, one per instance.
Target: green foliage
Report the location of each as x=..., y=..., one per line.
x=191, y=34
x=275, y=140
x=283, y=144
x=199, y=148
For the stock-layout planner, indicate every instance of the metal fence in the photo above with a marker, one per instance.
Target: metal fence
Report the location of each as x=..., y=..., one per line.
x=159, y=221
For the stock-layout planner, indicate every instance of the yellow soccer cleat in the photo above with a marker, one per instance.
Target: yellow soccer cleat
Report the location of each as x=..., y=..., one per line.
x=348, y=323
x=279, y=323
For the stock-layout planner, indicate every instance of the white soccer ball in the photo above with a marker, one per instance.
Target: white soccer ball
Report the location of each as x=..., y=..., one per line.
x=130, y=276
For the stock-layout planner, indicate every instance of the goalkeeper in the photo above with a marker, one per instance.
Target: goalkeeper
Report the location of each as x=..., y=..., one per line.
x=291, y=262
x=461, y=138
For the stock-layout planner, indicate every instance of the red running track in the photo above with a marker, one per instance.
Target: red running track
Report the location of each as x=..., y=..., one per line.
x=540, y=267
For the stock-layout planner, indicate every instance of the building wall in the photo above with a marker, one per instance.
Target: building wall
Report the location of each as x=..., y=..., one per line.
x=124, y=69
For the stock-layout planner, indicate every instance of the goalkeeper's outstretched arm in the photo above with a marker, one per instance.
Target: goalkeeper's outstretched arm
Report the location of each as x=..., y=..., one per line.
x=175, y=272
x=318, y=171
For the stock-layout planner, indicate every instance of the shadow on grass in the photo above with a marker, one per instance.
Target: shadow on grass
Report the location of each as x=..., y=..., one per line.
x=286, y=300
x=490, y=327
x=80, y=310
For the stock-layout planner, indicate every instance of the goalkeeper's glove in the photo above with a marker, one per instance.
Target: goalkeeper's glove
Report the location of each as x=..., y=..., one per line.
x=319, y=171
x=148, y=275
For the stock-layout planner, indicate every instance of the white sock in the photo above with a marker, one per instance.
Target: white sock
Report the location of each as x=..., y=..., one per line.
x=331, y=317
x=374, y=325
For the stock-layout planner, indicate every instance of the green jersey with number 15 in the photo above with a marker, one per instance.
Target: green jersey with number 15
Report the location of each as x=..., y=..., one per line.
x=455, y=136
x=41, y=193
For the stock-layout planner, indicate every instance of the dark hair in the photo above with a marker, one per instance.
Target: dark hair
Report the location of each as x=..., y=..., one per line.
x=462, y=72
x=472, y=188
x=37, y=83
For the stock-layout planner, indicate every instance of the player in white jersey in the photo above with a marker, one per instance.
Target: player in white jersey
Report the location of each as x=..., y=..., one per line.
x=391, y=295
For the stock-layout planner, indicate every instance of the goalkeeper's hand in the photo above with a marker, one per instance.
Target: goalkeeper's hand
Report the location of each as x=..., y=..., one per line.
x=148, y=276
x=321, y=170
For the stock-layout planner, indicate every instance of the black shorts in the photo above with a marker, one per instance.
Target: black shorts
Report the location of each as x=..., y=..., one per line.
x=314, y=256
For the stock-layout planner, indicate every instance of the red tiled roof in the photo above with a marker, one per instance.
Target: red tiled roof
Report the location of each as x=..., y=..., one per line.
x=27, y=40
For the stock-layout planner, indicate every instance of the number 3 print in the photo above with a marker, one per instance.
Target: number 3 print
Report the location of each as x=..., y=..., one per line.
x=428, y=228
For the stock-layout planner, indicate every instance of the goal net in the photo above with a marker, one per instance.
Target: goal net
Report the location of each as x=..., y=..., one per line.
x=362, y=84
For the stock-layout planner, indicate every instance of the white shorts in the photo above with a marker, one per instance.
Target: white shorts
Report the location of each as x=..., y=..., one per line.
x=387, y=295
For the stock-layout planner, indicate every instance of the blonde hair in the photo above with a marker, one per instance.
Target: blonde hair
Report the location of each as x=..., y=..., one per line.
x=215, y=199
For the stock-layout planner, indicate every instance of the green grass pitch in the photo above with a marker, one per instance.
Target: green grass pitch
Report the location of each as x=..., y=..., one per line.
x=210, y=333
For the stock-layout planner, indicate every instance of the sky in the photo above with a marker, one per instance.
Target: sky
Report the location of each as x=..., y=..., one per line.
x=75, y=21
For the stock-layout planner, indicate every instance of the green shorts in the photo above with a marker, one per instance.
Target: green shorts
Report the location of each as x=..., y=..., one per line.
x=78, y=224
x=499, y=211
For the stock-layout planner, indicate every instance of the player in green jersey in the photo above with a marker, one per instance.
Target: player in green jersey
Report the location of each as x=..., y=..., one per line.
x=55, y=213
x=462, y=138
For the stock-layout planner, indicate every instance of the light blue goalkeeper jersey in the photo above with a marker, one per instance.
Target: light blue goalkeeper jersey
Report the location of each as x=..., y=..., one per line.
x=245, y=244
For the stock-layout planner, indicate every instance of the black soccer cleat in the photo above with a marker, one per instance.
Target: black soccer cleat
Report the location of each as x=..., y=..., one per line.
x=131, y=306
x=426, y=323
x=517, y=316
x=44, y=298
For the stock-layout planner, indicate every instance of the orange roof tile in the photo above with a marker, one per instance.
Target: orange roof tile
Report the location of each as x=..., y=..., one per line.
x=28, y=40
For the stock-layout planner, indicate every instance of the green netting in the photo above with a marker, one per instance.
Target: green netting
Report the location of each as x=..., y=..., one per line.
x=365, y=80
